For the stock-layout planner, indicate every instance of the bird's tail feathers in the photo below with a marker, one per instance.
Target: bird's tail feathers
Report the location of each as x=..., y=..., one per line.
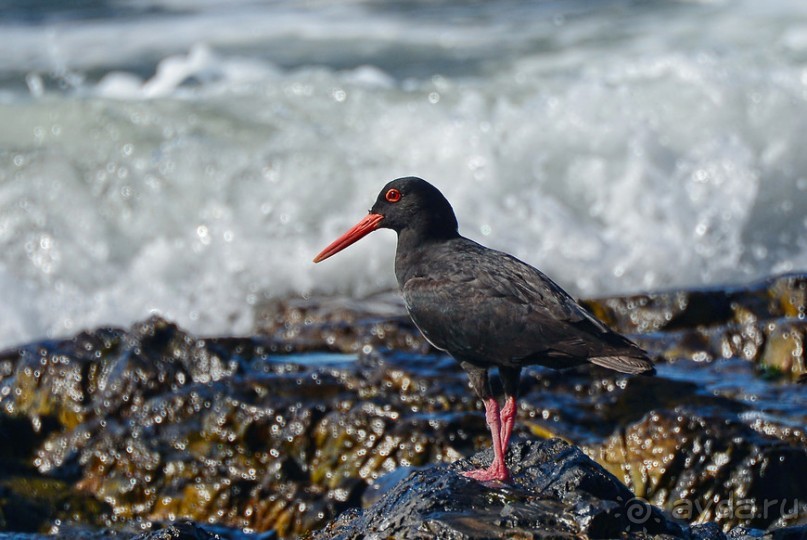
x=626, y=364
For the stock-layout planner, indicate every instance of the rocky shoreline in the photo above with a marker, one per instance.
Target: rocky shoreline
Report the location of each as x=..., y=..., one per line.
x=337, y=405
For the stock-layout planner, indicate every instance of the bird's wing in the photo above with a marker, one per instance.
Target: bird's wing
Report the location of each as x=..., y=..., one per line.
x=488, y=306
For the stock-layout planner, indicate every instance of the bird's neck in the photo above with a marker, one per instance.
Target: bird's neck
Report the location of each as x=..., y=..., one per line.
x=422, y=234
x=414, y=246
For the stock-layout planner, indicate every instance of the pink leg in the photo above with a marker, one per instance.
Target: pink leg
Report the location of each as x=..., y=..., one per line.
x=508, y=418
x=497, y=469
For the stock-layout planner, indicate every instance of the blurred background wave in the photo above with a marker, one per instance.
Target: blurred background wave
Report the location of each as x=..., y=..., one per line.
x=190, y=157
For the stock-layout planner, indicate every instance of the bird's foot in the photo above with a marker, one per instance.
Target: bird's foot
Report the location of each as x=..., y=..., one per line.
x=488, y=475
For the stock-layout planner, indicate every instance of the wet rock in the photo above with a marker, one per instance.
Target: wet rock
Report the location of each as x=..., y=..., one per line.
x=164, y=425
x=182, y=530
x=704, y=468
x=556, y=491
x=775, y=346
x=30, y=503
x=707, y=531
x=784, y=349
x=777, y=297
x=129, y=428
x=340, y=324
x=107, y=372
x=765, y=322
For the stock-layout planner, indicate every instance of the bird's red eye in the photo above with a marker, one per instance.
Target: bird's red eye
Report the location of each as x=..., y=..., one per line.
x=393, y=195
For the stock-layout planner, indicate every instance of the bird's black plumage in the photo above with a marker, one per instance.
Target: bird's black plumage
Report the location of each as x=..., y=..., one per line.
x=484, y=307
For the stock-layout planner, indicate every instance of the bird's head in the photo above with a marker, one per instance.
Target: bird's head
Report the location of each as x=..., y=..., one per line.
x=403, y=204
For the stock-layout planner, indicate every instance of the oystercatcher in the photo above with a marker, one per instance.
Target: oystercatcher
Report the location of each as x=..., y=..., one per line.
x=483, y=307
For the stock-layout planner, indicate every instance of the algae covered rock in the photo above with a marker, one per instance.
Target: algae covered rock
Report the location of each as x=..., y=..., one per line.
x=153, y=424
x=181, y=530
x=708, y=469
x=773, y=298
x=765, y=322
x=129, y=429
x=556, y=491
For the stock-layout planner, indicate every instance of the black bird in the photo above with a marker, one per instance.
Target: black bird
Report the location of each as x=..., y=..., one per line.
x=484, y=307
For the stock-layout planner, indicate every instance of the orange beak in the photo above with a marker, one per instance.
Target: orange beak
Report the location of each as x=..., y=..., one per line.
x=359, y=231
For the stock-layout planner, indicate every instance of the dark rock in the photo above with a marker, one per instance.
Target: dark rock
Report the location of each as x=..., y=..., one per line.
x=178, y=531
x=124, y=429
x=556, y=491
x=182, y=530
x=773, y=298
x=341, y=324
x=788, y=533
x=765, y=322
x=707, y=531
x=679, y=459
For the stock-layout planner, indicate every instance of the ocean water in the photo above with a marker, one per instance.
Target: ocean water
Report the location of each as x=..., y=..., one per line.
x=190, y=157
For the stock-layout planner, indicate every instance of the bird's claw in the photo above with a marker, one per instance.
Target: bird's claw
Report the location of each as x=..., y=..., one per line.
x=488, y=475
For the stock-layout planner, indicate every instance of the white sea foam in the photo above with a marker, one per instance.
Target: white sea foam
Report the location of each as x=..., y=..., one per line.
x=612, y=151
